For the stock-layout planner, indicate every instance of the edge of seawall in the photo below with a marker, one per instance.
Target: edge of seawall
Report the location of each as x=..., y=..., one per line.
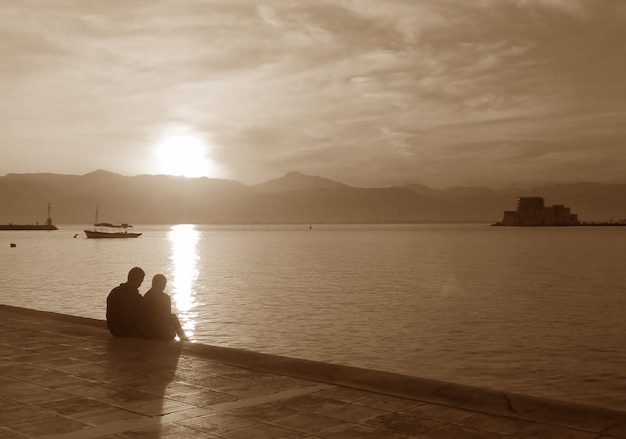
x=471, y=398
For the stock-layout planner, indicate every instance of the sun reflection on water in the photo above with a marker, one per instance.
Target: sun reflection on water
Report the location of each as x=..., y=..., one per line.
x=184, y=239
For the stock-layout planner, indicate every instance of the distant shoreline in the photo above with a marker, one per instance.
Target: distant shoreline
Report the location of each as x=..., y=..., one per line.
x=585, y=224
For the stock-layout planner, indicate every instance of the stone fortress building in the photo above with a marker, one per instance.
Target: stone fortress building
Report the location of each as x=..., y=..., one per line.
x=531, y=211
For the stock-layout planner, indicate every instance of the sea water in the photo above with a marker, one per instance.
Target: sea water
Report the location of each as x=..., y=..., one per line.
x=539, y=311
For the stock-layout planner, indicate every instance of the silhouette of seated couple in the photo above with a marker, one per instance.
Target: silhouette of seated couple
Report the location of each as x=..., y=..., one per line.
x=129, y=314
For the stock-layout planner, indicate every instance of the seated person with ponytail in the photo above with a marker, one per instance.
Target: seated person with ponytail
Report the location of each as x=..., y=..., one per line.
x=157, y=320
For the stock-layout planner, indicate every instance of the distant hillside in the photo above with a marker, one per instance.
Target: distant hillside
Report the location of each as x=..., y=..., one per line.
x=293, y=198
x=294, y=181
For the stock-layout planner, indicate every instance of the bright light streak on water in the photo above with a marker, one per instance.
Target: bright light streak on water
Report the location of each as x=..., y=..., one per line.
x=184, y=240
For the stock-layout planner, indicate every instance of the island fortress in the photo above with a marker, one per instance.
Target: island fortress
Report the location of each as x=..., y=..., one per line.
x=531, y=211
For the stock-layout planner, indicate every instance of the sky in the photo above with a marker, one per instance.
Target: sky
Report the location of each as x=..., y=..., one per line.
x=370, y=93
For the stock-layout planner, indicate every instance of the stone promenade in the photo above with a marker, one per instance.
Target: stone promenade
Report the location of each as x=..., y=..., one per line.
x=65, y=377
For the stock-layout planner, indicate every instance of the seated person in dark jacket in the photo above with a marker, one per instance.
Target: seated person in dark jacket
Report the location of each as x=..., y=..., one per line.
x=157, y=320
x=123, y=306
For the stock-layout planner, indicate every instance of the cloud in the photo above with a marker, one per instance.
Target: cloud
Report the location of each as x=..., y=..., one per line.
x=574, y=7
x=268, y=15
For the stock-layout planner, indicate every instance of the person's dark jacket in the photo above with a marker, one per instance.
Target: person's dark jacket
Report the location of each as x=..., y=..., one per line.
x=156, y=316
x=123, y=311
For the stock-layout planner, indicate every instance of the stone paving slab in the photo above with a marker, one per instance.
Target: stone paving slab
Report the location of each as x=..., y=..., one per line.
x=66, y=377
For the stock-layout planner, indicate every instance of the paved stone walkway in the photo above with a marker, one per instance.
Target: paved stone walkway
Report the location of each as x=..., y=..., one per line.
x=65, y=377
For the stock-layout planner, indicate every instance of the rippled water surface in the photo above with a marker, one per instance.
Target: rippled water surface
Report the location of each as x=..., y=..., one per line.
x=533, y=310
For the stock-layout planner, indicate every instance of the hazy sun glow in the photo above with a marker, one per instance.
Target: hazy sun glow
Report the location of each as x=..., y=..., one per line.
x=185, y=155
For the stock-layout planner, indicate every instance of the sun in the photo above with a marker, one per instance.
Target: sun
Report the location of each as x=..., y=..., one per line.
x=185, y=155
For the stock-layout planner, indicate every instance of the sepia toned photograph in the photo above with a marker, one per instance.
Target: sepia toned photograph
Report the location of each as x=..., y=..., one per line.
x=299, y=219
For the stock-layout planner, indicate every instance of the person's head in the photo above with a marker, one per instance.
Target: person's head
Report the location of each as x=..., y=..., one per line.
x=158, y=282
x=135, y=276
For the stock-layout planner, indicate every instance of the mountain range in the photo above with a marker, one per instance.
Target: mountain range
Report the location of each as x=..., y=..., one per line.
x=293, y=198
